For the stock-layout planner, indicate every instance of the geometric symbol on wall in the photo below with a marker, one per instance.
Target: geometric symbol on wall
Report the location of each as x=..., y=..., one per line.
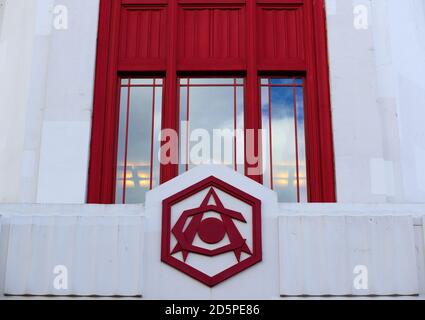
x=211, y=231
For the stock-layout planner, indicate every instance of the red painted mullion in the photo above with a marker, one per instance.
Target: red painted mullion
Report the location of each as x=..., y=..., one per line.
x=112, y=112
x=102, y=172
x=312, y=130
x=96, y=167
x=328, y=186
x=170, y=117
x=318, y=127
x=252, y=103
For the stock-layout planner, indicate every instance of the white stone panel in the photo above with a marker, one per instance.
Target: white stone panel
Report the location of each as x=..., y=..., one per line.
x=16, y=50
x=63, y=162
x=102, y=253
x=319, y=255
x=312, y=249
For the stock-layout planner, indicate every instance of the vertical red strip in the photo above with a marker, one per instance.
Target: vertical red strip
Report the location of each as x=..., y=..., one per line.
x=170, y=109
x=327, y=192
x=318, y=124
x=252, y=103
x=103, y=149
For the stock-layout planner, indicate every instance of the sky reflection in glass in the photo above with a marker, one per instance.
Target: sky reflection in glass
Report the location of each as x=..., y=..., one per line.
x=284, y=157
x=138, y=166
x=208, y=105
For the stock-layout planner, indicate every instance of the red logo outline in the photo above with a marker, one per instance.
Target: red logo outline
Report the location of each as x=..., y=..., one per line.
x=184, y=237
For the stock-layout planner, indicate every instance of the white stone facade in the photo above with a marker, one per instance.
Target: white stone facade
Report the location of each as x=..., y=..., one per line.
x=376, y=50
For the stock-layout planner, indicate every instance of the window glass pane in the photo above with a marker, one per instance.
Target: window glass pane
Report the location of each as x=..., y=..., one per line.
x=184, y=128
x=138, y=145
x=121, y=145
x=285, y=81
x=212, y=81
x=284, y=144
x=240, y=134
x=139, y=141
x=142, y=82
x=156, y=161
x=299, y=81
x=265, y=111
x=301, y=145
x=211, y=116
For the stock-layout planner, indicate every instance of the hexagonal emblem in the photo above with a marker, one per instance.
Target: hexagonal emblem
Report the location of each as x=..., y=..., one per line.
x=211, y=231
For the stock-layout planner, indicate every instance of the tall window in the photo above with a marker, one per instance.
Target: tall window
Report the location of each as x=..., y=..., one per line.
x=139, y=128
x=284, y=155
x=211, y=122
x=219, y=74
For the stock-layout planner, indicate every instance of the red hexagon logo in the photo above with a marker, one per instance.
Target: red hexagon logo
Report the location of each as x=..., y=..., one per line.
x=211, y=231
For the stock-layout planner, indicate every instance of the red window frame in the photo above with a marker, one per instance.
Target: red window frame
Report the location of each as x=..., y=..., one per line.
x=312, y=62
